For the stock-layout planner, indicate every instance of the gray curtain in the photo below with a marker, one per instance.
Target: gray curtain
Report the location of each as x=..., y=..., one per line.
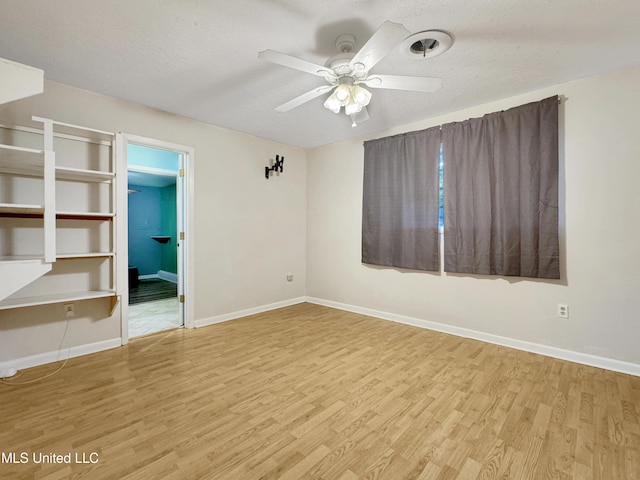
x=400, y=201
x=501, y=192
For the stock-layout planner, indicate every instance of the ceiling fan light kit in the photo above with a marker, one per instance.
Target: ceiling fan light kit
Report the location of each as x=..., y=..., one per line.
x=347, y=71
x=349, y=95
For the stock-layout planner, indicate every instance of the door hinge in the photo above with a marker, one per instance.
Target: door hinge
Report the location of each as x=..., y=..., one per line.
x=182, y=172
x=181, y=298
x=181, y=235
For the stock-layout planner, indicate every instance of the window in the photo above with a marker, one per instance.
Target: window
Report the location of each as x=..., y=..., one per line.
x=400, y=201
x=497, y=203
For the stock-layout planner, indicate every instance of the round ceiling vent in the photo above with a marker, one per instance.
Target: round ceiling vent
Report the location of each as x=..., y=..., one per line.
x=427, y=44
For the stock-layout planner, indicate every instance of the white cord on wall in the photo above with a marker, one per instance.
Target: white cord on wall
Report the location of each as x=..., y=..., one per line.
x=19, y=373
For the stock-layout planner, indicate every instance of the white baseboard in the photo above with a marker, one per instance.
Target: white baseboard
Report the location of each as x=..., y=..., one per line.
x=8, y=372
x=203, y=322
x=569, y=355
x=148, y=276
x=168, y=276
x=562, y=354
x=49, y=357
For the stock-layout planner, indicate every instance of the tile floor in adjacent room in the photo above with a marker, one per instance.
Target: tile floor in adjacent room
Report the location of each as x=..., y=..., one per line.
x=155, y=316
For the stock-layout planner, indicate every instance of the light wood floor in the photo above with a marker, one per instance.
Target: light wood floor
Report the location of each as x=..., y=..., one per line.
x=309, y=392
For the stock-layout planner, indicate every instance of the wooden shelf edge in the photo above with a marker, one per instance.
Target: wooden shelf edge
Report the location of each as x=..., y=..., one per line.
x=84, y=216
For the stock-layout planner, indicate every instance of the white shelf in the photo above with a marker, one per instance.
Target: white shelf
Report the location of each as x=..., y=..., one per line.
x=20, y=149
x=25, y=209
x=22, y=168
x=54, y=298
x=21, y=258
x=34, y=168
x=78, y=174
x=66, y=256
x=21, y=209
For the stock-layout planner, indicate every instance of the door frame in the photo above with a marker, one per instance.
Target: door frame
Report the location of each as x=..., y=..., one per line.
x=122, y=235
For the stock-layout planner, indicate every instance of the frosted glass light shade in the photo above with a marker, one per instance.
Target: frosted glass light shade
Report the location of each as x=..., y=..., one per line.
x=362, y=96
x=332, y=103
x=352, y=97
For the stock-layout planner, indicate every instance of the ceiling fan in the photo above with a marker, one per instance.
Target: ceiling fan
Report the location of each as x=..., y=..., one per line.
x=347, y=72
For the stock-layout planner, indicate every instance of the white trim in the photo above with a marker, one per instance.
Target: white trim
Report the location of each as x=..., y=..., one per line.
x=8, y=372
x=71, y=125
x=161, y=172
x=549, y=351
x=149, y=276
x=168, y=276
x=203, y=322
x=189, y=222
x=58, y=355
x=121, y=233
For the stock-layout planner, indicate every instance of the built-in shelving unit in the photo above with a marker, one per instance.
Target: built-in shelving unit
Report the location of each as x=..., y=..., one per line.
x=58, y=209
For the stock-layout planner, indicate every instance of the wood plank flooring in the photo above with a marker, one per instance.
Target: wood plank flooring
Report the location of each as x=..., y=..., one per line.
x=150, y=289
x=308, y=392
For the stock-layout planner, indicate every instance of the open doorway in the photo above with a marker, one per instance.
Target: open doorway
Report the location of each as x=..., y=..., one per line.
x=153, y=205
x=157, y=202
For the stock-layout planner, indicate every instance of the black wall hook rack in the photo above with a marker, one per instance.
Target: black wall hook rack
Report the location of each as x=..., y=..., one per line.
x=277, y=166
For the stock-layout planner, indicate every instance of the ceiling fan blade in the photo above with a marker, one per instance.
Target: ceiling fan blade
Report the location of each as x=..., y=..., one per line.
x=296, y=63
x=400, y=82
x=385, y=39
x=305, y=97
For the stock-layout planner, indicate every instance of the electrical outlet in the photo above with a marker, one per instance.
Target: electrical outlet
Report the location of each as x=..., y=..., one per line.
x=563, y=310
x=69, y=309
x=289, y=277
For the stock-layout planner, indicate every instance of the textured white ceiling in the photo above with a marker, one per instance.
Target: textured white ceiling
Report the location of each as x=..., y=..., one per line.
x=198, y=58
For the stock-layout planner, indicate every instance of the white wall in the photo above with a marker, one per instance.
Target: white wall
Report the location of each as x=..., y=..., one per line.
x=599, y=229
x=249, y=232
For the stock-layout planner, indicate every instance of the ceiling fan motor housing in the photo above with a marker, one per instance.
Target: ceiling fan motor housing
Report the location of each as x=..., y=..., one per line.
x=345, y=43
x=340, y=63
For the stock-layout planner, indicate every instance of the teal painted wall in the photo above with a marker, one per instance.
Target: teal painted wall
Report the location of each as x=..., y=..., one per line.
x=168, y=224
x=152, y=212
